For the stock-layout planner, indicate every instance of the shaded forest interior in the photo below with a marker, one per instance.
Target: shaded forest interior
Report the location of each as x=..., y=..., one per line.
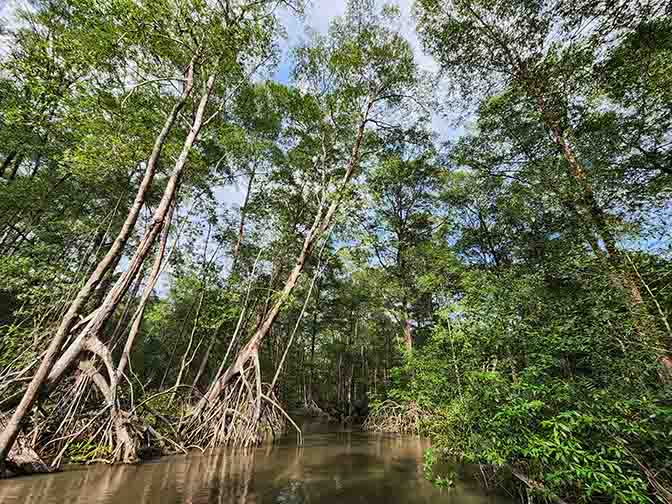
x=196, y=243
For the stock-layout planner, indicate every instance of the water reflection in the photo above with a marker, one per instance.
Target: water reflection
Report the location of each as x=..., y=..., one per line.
x=331, y=467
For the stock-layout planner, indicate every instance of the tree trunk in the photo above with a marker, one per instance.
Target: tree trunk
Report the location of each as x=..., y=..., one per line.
x=313, y=335
x=105, y=311
x=241, y=226
x=597, y=215
x=140, y=310
x=552, y=123
x=9, y=433
x=186, y=362
x=201, y=367
x=408, y=335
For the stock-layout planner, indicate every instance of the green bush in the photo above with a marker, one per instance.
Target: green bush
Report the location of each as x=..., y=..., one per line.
x=561, y=385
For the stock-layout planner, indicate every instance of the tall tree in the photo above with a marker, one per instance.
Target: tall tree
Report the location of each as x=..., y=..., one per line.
x=542, y=53
x=352, y=84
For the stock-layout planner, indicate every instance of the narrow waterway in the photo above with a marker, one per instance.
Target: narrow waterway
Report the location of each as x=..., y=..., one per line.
x=334, y=465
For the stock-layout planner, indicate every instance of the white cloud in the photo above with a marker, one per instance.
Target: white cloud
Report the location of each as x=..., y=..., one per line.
x=320, y=13
x=6, y=6
x=7, y=20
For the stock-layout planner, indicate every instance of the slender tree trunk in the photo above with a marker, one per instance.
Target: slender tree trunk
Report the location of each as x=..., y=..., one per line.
x=251, y=347
x=243, y=214
x=37, y=162
x=375, y=378
x=597, y=214
x=184, y=364
x=140, y=310
x=105, y=311
x=127, y=444
x=552, y=122
x=588, y=202
x=351, y=386
x=103, y=287
x=339, y=376
x=204, y=362
x=388, y=358
x=313, y=335
x=408, y=335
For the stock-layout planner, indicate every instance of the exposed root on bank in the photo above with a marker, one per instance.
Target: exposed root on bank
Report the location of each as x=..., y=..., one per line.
x=78, y=429
x=22, y=459
x=311, y=408
x=393, y=417
x=246, y=413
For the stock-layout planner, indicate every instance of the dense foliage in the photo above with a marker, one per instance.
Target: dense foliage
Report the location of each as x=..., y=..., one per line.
x=189, y=248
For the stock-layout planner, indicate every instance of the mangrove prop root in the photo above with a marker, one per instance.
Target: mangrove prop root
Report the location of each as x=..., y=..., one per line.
x=393, y=417
x=22, y=458
x=244, y=414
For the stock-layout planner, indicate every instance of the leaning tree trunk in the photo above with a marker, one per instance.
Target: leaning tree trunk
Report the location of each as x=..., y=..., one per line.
x=140, y=310
x=123, y=428
x=597, y=214
x=127, y=442
x=323, y=220
x=105, y=311
x=553, y=122
x=11, y=430
x=586, y=195
x=598, y=218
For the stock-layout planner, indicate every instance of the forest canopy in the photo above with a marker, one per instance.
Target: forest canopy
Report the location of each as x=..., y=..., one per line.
x=208, y=223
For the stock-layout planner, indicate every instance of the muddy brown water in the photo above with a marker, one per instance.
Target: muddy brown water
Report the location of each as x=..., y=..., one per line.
x=334, y=465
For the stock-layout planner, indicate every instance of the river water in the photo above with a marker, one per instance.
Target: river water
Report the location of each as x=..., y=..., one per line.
x=332, y=466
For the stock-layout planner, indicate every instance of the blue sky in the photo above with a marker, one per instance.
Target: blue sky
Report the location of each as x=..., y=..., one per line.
x=5, y=6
